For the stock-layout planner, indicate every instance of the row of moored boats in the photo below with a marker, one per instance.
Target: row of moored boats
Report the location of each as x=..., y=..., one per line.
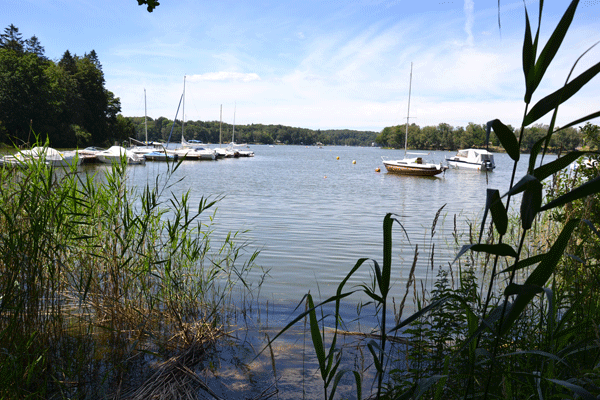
x=137, y=154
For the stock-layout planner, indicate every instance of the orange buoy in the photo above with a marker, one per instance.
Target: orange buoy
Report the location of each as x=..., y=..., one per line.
x=353, y=161
x=377, y=169
x=337, y=158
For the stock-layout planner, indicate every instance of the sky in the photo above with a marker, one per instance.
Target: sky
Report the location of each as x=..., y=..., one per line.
x=329, y=64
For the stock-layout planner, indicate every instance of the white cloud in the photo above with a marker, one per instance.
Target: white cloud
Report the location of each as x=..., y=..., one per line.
x=225, y=76
x=470, y=18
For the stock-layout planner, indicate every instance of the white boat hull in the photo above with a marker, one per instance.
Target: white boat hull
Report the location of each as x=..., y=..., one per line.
x=475, y=159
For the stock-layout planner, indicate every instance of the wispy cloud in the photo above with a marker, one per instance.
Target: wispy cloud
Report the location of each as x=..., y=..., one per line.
x=469, y=20
x=225, y=76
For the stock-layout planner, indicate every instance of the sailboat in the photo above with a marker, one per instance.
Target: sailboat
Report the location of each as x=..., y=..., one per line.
x=412, y=166
x=220, y=151
x=152, y=151
x=191, y=151
x=233, y=145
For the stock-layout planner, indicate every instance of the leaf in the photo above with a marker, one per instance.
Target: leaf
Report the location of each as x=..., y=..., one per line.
x=498, y=249
x=582, y=119
x=419, y=313
x=552, y=46
x=587, y=189
x=525, y=182
x=499, y=216
x=530, y=204
x=506, y=136
x=514, y=288
x=540, y=275
x=315, y=334
x=555, y=99
x=524, y=263
x=581, y=392
x=528, y=58
x=546, y=170
x=374, y=348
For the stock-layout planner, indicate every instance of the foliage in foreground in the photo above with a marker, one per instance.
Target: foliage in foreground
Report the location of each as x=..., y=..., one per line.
x=531, y=328
x=98, y=281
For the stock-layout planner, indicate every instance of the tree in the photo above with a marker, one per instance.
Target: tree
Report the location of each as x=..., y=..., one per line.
x=11, y=39
x=33, y=45
x=24, y=91
x=152, y=4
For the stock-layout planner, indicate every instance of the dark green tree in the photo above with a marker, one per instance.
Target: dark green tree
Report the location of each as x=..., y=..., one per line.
x=11, y=39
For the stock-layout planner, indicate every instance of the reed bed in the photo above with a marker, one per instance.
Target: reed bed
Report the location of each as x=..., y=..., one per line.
x=99, y=283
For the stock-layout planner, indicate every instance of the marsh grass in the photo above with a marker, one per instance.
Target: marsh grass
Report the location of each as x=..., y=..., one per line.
x=100, y=282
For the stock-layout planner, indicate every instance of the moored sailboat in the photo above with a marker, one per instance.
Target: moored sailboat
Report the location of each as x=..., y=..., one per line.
x=412, y=166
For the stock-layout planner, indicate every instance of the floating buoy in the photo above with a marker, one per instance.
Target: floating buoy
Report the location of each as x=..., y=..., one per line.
x=377, y=169
x=353, y=161
x=325, y=177
x=337, y=158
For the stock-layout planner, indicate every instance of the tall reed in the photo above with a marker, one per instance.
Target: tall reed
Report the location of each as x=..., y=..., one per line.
x=95, y=276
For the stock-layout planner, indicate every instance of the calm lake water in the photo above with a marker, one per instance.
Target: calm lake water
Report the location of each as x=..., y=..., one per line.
x=312, y=215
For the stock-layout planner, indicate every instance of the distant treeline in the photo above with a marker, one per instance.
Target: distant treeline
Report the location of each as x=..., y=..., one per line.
x=65, y=101
x=209, y=131
x=440, y=137
x=447, y=137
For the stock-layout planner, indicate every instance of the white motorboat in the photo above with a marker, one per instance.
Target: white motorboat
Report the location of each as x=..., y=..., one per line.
x=116, y=154
x=477, y=159
x=47, y=155
x=193, y=152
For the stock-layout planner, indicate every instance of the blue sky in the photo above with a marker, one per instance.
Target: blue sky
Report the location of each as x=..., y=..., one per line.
x=316, y=64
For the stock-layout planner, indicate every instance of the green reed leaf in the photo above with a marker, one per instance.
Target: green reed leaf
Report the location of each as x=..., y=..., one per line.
x=419, y=314
x=553, y=167
x=524, y=263
x=506, y=136
x=540, y=275
x=498, y=249
x=525, y=182
x=530, y=204
x=514, y=289
x=563, y=94
x=499, y=215
x=375, y=350
x=580, y=391
x=528, y=58
x=587, y=189
x=315, y=333
x=549, y=51
x=336, y=382
x=582, y=119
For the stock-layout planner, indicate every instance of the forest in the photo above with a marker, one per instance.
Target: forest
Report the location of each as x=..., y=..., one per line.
x=65, y=102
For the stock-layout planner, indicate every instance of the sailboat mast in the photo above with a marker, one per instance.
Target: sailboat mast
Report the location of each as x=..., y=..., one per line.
x=408, y=112
x=233, y=134
x=220, y=124
x=183, y=112
x=145, y=121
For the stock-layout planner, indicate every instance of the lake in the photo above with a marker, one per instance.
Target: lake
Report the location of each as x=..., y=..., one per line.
x=313, y=212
